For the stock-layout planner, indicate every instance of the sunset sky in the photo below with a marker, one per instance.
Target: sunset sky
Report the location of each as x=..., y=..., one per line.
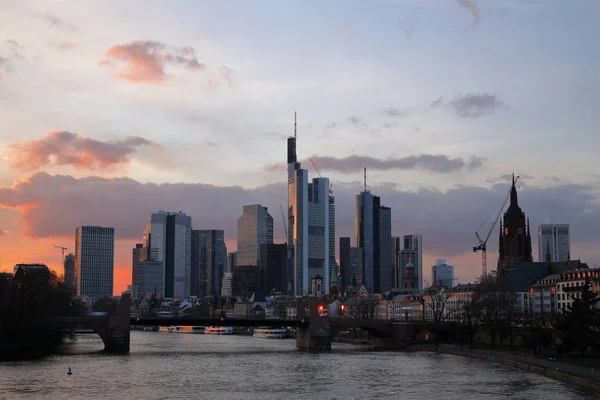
x=112, y=110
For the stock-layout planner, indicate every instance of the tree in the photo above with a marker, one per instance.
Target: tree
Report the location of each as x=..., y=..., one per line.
x=106, y=304
x=438, y=309
x=470, y=319
x=498, y=307
x=579, y=324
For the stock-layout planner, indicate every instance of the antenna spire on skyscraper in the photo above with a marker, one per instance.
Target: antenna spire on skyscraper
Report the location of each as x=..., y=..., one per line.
x=365, y=178
x=295, y=125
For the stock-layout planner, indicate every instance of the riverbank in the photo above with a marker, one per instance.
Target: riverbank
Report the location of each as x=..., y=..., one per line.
x=580, y=376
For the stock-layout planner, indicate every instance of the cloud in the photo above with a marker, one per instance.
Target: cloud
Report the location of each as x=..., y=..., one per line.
x=474, y=10
x=394, y=112
x=355, y=120
x=437, y=163
x=146, y=61
x=54, y=21
x=67, y=148
x=3, y=232
x=62, y=46
x=5, y=66
x=53, y=205
x=470, y=105
x=408, y=27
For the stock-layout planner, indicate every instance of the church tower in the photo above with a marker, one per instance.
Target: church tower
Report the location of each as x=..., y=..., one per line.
x=515, y=236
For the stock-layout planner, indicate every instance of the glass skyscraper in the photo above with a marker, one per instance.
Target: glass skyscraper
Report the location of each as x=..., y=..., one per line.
x=254, y=227
x=94, y=261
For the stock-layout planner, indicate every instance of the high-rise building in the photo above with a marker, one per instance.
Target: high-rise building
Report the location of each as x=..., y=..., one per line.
x=231, y=261
x=273, y=268
x=94, y=261
x=396, y=247
x=69, y=267
x=351, y=264
x=149, y=278
x=136, y=257
x=515, y=236
x=373, y=230
x=245, y=281
x=415, y=242
x=254, y=227
x=442, y=274
x=554, y=243
x=168, y=238
x=309, y=230
x=209, y=260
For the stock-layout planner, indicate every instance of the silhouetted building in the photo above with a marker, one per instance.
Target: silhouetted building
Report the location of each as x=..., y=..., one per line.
x=554, y=243
x=515, y=237
x=273, y=268
x=94, y=261
x=69, y=269
x=396, y=247
x=136, y=257
x=209, y=259
x=149, y=278
x=254, y=227
x=245, y=281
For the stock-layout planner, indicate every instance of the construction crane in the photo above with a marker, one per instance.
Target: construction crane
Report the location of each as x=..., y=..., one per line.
x=283, y=220
x=318, y=173
x=62, y=249
x=483, y=243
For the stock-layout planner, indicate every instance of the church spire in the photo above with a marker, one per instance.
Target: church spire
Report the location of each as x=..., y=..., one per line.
x=513, y=193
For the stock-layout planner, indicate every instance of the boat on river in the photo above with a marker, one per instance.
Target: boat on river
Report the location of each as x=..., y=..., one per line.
x=266, y=332
x=219, y=330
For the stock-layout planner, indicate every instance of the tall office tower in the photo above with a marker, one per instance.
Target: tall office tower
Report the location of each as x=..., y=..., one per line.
x=169, y=237
x=69, y=267
x=254, y=227
x=409, y=279
x=309, y=230
x=442, y=274
x=94, y=261
x=245, y=280
x=415, y=242
x=385, y=253
x=344, y=250
x=149, y=278
x=396, y=247
x=209, y=255
x=273, y=269
x=333, y=266
x=373, y=228
x=515, y=236
x=354, y=268
x=231, y=261
x=136, y=258
x=554, y=243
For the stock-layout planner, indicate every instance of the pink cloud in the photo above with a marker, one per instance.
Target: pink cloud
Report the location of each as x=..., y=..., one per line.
x=67, y=148
x=146, y=61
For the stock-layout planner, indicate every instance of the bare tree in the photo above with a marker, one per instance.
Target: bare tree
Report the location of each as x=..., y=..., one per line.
x=498, y=307
x=438, y=308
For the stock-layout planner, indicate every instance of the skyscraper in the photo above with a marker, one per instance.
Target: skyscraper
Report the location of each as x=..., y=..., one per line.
x=169, y=241
x=273, y=268
x=554, y=243
x=396, y=247
x=136, y=258
x=442, y=274
x=209, y=260
x=69, y=267
x=94, y=261
x=515, y=236
x=373, y=230
x=309, y=229
x=254, y=227
x=409, y=275
x=415, y=242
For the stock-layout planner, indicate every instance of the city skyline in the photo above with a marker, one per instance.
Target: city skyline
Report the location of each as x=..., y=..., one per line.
x=101, y=130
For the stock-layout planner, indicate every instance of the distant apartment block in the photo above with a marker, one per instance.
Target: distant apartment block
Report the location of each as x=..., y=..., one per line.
x=94, y=261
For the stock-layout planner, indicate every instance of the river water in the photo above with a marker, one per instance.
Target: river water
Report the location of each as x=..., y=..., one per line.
x=183, y=366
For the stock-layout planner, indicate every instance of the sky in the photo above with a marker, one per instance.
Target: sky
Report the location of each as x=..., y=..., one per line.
x=113, y=110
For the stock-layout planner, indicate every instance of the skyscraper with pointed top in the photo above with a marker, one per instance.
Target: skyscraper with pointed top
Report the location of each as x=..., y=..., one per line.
x=311, y=208
x=515, y=236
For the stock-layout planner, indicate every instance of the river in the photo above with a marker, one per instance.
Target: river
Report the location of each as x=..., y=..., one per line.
x=184, y=366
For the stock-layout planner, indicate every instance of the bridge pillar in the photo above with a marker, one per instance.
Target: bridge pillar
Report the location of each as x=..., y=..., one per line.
x=318, y=334
x=118, y=333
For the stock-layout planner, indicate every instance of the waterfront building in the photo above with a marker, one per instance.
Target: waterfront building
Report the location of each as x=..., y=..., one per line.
x=515, y=236
x=69, y=269
x=254, y=227
x=169, y=241
x=554, y=243
x=309, y=229
x=94, y=261
x=209, y=260
x=442, y=274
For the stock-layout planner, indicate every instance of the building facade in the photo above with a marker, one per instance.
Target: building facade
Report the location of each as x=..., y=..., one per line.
x=149, y=278
x=554, y=243
x=409, y=281
x=169, y=237
x=94, y=261
x=69, y=269
x=415, y=243
x=209, y=261
x=254, y=227
x=396, y=247
x=273, y=269
x=442, y=274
